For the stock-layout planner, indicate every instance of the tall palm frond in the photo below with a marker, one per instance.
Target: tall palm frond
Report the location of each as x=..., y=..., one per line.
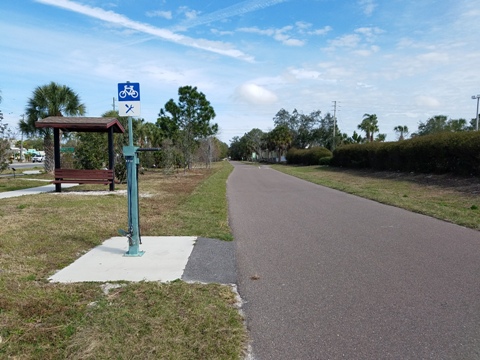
x=50, y=100
x=369, y=124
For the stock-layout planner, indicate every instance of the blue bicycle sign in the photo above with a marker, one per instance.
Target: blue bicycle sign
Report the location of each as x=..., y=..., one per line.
x=129, y=92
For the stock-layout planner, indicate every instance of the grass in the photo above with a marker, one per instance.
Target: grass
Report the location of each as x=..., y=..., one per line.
x=43, y=233
x=21, y=181
x=192, y=217
x=448, y=198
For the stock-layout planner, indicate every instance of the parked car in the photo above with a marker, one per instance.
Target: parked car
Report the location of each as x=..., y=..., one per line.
x=38, y=158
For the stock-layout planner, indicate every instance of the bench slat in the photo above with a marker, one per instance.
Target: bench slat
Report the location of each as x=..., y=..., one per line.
x=81, y=181
x=83, y=176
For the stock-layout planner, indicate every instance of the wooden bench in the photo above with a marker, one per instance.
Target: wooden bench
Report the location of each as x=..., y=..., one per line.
x=74, y=176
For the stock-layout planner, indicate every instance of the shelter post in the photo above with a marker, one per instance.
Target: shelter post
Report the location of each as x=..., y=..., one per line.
x=56, y=154
x=111, y=157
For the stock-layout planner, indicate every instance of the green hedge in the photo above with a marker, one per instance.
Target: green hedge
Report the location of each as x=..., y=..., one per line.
x=311, y=156
x=457, y=153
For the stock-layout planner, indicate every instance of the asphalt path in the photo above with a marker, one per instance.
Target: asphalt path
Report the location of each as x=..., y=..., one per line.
x=327, y=275
x=211, y=261
x=19, y=167
x=25, y=165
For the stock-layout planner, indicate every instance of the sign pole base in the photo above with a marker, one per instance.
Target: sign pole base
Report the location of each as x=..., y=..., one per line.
x=137, y=254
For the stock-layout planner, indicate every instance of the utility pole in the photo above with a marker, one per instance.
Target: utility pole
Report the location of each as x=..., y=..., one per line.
x=334, y=123
x=476, y=114
x=113, y=104
x=21, y=141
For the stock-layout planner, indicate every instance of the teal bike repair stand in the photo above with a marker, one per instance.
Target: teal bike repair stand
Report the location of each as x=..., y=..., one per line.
x=132, y=161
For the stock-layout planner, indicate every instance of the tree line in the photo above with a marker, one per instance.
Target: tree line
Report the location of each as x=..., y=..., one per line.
x=302, y=131
x=183, y=130
x=4, y=143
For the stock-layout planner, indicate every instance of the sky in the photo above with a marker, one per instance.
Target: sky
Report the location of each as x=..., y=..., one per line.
x=403, y=60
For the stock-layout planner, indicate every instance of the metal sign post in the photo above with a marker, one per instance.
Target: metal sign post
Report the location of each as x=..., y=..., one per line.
x=129, y=105
x=133, y=233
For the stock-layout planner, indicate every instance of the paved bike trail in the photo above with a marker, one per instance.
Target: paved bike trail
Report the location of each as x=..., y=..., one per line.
x=327, y=275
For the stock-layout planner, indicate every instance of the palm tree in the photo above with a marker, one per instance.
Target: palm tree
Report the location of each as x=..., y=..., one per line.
x=401, y=130
x=357, y=138
x=280, y=139
x=153, y=135
x=369, y=124
x=50, y=100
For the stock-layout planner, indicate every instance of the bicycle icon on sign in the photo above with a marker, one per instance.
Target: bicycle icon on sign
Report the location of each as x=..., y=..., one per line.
x=128, y=90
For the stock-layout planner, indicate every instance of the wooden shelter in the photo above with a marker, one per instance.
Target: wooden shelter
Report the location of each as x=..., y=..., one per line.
x=82, y=124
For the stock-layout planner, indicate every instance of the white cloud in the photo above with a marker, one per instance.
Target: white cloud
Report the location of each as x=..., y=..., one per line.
x=284, y=34
x=280, y=35
x=221, y=33
x=367, y=51
x=368, y=6
x=434, y=57
x=472, y=13
x=322, y=31
x=349, y=41
x=256, y=30
x=361, y=85
x=427, y=101
x=363, y=52
x=360, y=41
x=241, y=8
x=305, y=74
x=255, y=94
x=120, y=20
x=306, y=28
x=369, y=32
x=408, y=43
x=429, y=63
x=292, y=42
x=189, y=14
x=303, y=25
x=422, y=68
x=159, y=13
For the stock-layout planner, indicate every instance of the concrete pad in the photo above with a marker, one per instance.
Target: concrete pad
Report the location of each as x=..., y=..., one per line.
x=32, y=191
x=164, y=260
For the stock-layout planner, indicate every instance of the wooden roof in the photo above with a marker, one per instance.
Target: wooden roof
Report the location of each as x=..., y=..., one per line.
x=81, y=124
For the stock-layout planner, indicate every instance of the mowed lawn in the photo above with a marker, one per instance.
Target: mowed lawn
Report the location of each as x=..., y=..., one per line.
x=41, y=234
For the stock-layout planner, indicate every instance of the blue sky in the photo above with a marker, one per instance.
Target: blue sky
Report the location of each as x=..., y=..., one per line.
x=402, y=60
